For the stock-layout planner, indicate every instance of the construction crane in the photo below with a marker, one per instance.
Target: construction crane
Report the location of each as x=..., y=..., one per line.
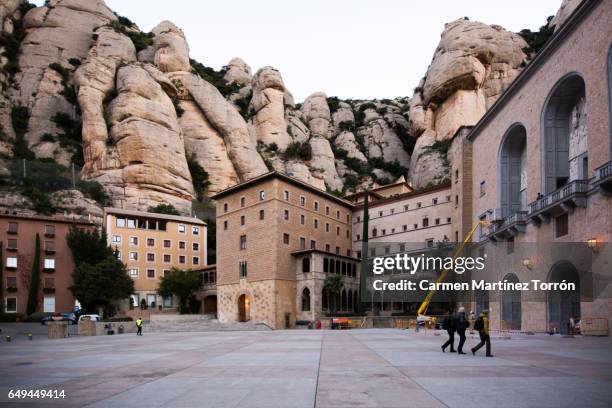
x=423, y=308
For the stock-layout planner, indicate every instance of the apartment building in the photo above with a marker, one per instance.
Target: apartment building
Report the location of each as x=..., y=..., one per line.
x=150, y=244
x=535, y=171
x=18, y=232
x=274, y=233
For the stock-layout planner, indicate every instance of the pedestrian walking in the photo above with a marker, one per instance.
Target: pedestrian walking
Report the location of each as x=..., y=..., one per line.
x=461, y=324
x=482, y=327
x=139, y=327
x=449, y=325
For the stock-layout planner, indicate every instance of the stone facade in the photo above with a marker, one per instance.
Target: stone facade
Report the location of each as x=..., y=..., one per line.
x=567, y=200
x=417, y=218
x=260, y=224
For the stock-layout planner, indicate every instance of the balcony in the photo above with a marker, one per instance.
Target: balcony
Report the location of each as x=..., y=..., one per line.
x=564, y=199
x=603, y=178
x=509, y=226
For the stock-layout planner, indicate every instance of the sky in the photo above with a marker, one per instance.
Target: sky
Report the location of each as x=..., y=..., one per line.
x=359, y=49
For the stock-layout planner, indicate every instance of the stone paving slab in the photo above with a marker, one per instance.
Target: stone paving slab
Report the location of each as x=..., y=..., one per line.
x=307, y=368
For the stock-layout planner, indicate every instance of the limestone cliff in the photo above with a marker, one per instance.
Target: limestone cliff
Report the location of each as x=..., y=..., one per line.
x=83, y=85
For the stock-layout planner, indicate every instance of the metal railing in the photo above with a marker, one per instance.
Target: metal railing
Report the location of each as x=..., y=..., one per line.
x=518, y=217
x=559, y=195
x=604, y=171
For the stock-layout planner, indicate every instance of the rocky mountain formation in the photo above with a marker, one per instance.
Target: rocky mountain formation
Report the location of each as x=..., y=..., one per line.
x=83, y=85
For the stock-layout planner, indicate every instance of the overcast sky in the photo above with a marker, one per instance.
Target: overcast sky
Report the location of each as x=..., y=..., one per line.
x=361, y=49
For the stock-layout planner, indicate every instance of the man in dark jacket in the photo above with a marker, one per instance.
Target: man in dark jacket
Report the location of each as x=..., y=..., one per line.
x=461, y=324
x=449, y=325
x=482, y=327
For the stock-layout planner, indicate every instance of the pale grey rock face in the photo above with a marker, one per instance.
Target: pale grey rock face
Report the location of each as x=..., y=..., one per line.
x=55, y=33
x=224, y=117
x=300, y=171
x=73, y=201
x=208, y=146
x=8, y=9
x=344, y=114
x=427, y=166
x=323, y=163
x=268, y=106
x=296, y=129
x=473, y=64
x=382, y=141
x=147, y=165
x=238, y=72
x=317, y=115
x=95, y=79
x=171, y=49
x=565, y=10
x=346, y=141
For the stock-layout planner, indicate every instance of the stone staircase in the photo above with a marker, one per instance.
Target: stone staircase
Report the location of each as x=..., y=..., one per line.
x=164, y=323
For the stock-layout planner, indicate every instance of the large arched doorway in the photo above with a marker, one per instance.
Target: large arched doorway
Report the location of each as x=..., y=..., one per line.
x=244, y=308
x=564, y=138
x=513, y=171
x=511, y=305
x=563, y=305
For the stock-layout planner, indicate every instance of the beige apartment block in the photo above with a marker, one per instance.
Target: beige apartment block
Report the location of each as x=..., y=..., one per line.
x=412, y=220
x=263, y=225
x=150, y=244
x=537, y=167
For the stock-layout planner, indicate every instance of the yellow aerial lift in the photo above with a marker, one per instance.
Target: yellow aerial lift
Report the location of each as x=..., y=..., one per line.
x=421, y=313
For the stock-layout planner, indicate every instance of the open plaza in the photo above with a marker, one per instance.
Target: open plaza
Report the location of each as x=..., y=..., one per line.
x=306, y=368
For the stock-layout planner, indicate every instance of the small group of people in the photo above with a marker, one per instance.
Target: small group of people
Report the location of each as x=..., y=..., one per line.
x=459, y=323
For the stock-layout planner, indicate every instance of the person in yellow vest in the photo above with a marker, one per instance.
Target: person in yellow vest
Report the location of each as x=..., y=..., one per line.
x=482, y=327
x=139, y=326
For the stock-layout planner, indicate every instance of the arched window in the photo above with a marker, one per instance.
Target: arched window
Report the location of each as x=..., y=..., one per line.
x=513, y=171
x=305, y=265
x=306, y=300
x=344, y=268
x=325, y=265
x=349, y=300
x=338, y=267
x=343, y=300
x=332, y=266
x=511, y=306
x=354, y=270
x=324, y=302
x=564, y=134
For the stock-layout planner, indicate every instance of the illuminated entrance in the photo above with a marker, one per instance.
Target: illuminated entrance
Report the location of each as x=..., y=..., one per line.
x=244, y=308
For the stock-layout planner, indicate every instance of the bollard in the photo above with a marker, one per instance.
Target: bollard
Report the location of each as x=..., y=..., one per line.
x=7, y=338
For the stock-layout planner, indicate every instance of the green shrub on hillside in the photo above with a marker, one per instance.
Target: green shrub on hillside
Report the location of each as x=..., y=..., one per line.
x=298, y=150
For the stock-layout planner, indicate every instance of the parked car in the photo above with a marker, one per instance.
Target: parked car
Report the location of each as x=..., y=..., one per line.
x=65, y=317
x=87, y=317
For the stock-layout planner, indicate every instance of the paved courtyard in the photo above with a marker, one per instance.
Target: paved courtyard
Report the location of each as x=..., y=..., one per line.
x=362, y=368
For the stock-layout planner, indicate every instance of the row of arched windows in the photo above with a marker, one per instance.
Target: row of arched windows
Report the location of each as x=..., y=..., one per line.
x=331, y=265
x=345, y=301
x=563, y=146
